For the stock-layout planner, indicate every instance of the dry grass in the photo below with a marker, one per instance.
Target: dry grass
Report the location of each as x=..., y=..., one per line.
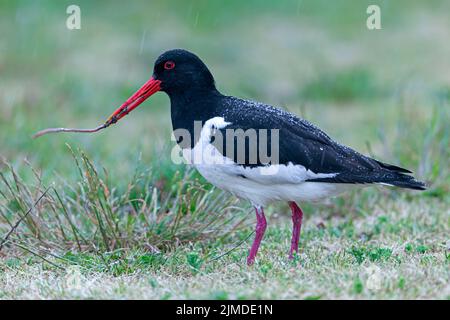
x=154, y=212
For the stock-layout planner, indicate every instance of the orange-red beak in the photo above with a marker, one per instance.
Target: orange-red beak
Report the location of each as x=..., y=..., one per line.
x=149, y=88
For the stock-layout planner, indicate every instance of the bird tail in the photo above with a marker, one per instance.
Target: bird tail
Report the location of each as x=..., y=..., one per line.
x=405, y=181
x=399, y=177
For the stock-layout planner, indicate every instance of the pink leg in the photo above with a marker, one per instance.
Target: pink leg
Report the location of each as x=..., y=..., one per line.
x=297, y=216
x=261, y=225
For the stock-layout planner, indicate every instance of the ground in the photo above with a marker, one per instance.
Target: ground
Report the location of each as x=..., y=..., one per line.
x=395, y=252
x=120, y=220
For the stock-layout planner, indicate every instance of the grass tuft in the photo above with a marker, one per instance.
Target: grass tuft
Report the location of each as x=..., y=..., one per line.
x=91, y=215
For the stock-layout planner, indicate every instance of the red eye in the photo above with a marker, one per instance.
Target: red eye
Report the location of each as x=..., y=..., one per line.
x=169, y=65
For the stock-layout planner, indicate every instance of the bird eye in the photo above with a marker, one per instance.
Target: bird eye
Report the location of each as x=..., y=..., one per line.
x=169, y=65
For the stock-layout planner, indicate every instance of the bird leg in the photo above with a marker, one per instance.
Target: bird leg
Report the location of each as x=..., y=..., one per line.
x=297, y=216
x=261, y=225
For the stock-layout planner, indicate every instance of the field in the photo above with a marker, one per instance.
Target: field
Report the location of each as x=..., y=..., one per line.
x=109, y=216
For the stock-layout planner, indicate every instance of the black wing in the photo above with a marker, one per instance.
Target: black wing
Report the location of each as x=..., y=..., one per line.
x=302, y=143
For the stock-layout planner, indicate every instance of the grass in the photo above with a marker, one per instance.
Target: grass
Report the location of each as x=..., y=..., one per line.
x=119, y=220
x=92, y=215
x=343, y=86
x=335, y=262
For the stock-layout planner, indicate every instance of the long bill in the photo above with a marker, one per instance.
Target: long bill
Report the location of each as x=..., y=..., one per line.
x=149, y=88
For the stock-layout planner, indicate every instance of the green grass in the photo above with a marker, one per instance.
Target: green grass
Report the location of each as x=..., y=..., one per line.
x=329, y=266
x=120, y=220
x=154, y=212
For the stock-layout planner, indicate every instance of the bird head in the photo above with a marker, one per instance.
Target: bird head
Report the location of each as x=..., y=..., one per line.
x=178, y=73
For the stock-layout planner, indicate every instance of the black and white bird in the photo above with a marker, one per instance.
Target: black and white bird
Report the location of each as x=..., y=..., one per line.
x=224, y=137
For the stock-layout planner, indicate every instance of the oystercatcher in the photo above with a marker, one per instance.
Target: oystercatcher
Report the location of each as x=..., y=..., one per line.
x=304, y=163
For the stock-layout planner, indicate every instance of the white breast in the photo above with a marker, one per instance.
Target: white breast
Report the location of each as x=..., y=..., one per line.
x=260, y=185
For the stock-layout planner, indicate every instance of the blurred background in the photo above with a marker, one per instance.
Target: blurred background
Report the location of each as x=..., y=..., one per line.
x=384, y=92
x=123, y=208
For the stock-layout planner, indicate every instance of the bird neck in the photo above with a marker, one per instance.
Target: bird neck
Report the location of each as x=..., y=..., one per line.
x=188, y=108
x=191, y=95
